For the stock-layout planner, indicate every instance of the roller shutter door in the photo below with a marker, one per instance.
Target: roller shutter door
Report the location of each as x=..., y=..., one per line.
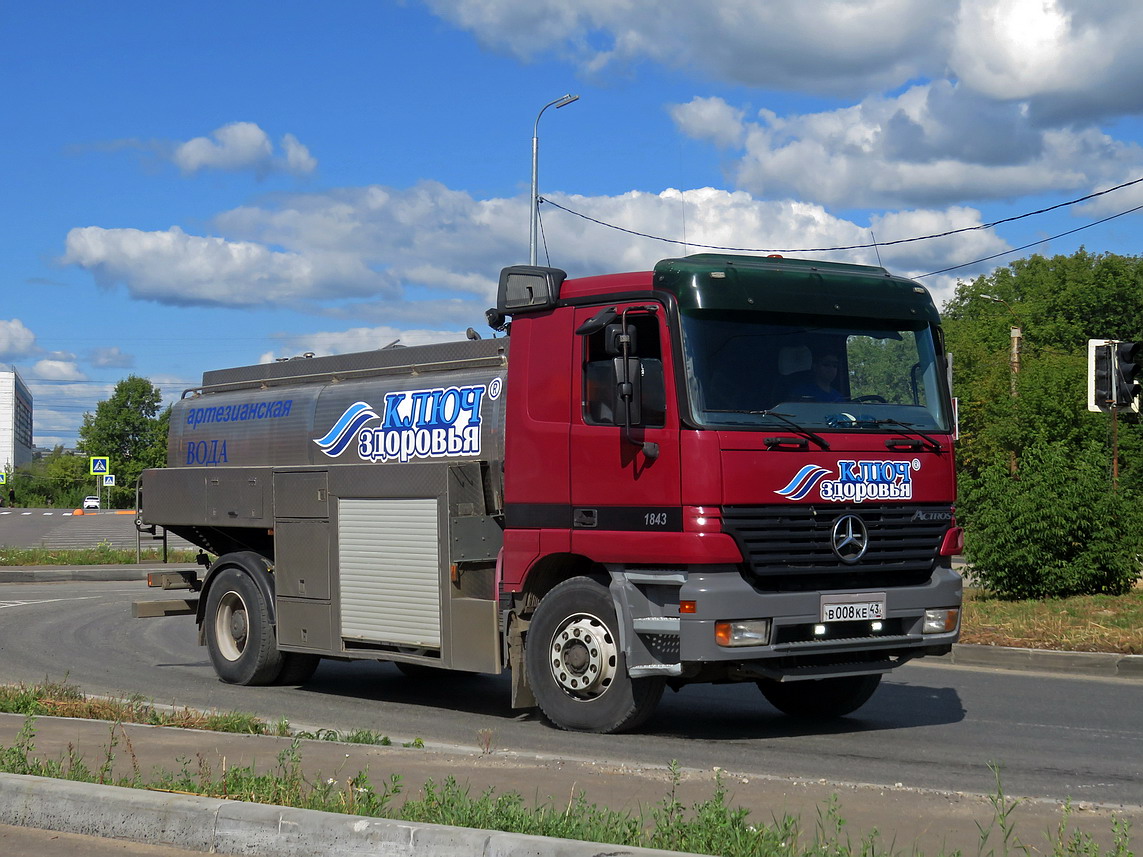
x=389, y=566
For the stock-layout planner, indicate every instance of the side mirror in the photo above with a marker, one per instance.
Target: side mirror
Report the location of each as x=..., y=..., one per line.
x=525, y=288
x=618, y=342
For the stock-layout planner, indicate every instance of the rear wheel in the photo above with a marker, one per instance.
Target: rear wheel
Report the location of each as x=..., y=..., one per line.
x=827, y=697
x=575, y=666
x=239, y=635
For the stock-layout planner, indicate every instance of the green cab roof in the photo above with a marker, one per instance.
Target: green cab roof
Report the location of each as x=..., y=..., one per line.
x=802, y=286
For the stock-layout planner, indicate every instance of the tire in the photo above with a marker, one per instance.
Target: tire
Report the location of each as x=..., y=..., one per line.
x=827, y=697
x=239, y=635
x=297, y=667
x=575, y=666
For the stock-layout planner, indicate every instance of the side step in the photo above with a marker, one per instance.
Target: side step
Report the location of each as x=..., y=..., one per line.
x=154, y=609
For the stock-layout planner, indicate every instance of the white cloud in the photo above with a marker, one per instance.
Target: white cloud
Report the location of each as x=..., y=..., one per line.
x=1068, y=58
x=710, y=119
x=15, y=338
x=57, y=370
x=176, y=268
x=428, y=258
x=242, y=146
x=839, y=46
x=934, y=144
x=111, y=358
x=299, y=161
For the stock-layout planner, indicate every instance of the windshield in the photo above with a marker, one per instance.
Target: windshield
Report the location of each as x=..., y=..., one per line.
x=869, y=375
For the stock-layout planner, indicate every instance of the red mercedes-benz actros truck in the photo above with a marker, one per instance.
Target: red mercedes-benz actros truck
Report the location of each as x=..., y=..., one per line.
x=726, y=469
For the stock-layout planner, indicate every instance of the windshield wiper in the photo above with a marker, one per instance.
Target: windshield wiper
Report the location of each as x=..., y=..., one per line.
x=931, y=443
x=804, y=432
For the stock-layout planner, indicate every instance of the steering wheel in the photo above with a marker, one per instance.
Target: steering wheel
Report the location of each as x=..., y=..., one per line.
x=878, y=399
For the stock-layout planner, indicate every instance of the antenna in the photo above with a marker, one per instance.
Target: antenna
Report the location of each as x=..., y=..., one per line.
x=683, y=207
x=875, y=248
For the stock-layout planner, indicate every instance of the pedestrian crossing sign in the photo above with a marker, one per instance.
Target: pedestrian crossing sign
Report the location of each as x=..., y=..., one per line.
x=109, y=480
x=3, y=478
x=100, y=465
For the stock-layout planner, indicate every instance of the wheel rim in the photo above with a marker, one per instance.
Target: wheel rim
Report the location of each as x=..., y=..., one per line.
x=583, y=657
x=231, y=626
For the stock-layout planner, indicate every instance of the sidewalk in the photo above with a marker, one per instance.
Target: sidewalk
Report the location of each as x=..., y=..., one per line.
x=933, y=821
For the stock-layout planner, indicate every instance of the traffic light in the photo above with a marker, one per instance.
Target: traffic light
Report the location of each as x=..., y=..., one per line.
x=1100, y=375
x=1127, y=387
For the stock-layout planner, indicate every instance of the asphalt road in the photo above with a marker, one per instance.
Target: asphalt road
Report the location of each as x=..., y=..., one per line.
x=929, y=727
x=61, y=528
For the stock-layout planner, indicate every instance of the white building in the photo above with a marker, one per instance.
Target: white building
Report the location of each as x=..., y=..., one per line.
x=15, y=419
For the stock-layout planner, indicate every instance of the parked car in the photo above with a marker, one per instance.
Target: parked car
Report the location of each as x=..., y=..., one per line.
x=90, y=503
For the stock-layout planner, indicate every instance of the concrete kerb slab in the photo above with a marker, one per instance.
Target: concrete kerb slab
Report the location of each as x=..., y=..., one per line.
x=67, y=573
x=232, y=827
x=1047, y=660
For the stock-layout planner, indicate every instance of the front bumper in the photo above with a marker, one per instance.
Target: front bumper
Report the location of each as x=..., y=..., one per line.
x=684, y=645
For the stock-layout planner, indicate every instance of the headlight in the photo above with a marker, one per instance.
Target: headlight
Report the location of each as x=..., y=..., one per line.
x=940, y=621
x=742, y=632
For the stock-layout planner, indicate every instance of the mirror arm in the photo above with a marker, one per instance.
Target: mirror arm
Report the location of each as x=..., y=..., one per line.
x=650, y=449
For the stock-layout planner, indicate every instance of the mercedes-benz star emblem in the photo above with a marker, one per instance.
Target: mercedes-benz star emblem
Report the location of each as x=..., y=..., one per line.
x=849, y=538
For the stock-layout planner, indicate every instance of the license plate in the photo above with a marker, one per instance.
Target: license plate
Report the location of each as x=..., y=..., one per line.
x=864, y=606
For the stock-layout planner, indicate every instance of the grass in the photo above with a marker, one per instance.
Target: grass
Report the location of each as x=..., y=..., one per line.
x=711, y=826
x=1093, y=623
x=101, y=554
x=61, y=699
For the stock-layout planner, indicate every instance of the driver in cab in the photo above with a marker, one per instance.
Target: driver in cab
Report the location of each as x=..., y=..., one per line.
x=819, y=387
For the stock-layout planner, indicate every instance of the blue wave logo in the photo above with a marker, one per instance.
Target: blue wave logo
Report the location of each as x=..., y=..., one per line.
x=346, y=428
x=803, y=482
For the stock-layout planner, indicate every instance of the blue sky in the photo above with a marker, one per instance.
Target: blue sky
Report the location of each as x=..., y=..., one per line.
x=193, y=187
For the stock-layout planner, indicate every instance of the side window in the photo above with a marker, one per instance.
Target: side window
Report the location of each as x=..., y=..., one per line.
x=603, y=368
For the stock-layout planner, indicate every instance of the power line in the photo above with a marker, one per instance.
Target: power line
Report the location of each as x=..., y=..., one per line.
x=946, y=234
x=1032, y=244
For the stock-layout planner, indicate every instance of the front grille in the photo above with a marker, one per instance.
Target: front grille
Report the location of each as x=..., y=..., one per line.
x=788, y=548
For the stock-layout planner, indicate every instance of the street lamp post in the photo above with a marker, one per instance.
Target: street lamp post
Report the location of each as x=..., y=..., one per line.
x=534, y=216
x=1017, y=334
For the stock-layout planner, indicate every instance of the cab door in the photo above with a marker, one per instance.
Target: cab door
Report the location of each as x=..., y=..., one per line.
x=620, y=484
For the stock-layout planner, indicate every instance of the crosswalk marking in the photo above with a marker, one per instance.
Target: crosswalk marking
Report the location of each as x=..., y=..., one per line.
x=4, y=604
x=45, y=514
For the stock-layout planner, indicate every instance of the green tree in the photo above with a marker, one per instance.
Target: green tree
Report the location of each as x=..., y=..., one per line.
x=1060, y=303
x=1055, y=529
x=57, y=480
x=130, y=430
x=1038, y=418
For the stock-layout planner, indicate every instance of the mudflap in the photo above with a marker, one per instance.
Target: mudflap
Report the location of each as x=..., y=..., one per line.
x=522, y=696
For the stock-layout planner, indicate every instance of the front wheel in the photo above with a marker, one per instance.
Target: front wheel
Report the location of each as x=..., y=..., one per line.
x=826, y=697
x=575, y=666
x=239, y=635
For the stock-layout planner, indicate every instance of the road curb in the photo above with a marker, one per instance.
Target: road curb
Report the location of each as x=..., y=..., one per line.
x=56, y=574
x=232, y=827
x=1046, y=660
